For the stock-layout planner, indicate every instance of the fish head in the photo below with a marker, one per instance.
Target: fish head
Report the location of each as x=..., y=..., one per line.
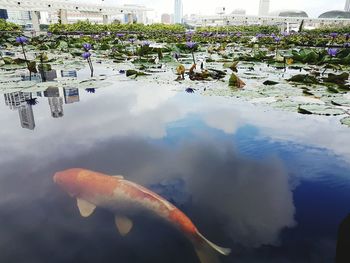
x=72, y=180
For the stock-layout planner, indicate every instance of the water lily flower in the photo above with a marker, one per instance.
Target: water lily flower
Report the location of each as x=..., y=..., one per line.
x=285, y=34
x=21, y=40
x=191, y=44
x=332, y=52
x=333, y=35
x=146, y=43
x=90, y=90
x=347, y=36
x=32, y=101
x=258, y=36
x=239, y=34
x=132, y=40
x=86, y=55
x=347, y=45
x=120, y=34
x=277, y=39
x=49, y=34
x=189, y=90
x=87, y=46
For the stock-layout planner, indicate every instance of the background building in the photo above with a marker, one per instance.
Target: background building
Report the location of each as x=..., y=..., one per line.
x=241, y=12
x=178, y=12
x=264, y=7
x=166, y=19
x=347, y=5
x=335, y=14
x=289, y=13
x=19, y=17
x=3, y=14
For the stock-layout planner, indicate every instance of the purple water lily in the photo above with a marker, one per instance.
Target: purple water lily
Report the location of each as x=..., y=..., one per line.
x=146, y=43
x=49, y=34
x=191, y=45
x=132, y=40
x=87, y=46
x=333, y=35
x=258, y=36
x=277, y=39
x=90, y=90
x=189, y=90
x=347, y=36
x=120, y=34
x=86, y=55
x=347, y=45
x=285, y=34
x=21, y=40
x=332, y=52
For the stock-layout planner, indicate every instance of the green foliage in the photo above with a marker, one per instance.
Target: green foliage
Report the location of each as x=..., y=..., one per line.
x=246, y=29
x=330, y=29
x=88, y=27
x=8, y=26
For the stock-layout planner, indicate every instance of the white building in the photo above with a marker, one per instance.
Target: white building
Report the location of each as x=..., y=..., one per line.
x=347, y=6
x=264, y=7
x=17, y=101
x=178, y=12
x=19, y=17
x=26, y=117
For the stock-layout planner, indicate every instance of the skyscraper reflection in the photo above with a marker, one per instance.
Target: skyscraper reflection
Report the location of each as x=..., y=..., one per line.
x=71, y=95
x=55, y=102
x=18, y=101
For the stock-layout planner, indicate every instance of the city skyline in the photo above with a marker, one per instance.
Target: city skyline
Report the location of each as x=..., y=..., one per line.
x=313, y=7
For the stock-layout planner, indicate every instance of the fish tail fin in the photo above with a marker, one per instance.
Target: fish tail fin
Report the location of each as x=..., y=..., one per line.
x=208, y=251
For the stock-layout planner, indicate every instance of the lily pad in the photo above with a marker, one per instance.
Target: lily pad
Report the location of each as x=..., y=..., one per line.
x=319, y=110
x=345, y=121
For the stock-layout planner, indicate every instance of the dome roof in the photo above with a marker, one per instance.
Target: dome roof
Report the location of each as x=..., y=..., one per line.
x=290, y=13
x=335, y=14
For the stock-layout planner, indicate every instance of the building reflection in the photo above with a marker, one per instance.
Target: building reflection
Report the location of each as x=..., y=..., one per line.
x=55, y=102
x=18, y=101
x=71, y=95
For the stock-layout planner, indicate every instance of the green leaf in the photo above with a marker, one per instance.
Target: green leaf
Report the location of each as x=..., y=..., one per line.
x=32, y=67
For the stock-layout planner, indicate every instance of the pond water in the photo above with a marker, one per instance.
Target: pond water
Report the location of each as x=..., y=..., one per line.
x=272, y=185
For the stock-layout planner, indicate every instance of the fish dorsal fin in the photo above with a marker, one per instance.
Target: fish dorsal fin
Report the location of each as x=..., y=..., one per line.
x=124, y=224
x=85, y=208
x=118, y=177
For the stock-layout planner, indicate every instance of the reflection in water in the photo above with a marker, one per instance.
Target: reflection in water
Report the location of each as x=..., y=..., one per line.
x=55, y=102
x=71, y=95
x=209, y=156
x=23, y=101
x=18, y=100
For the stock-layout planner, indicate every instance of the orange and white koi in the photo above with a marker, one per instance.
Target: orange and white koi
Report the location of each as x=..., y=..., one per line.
x=121, y=197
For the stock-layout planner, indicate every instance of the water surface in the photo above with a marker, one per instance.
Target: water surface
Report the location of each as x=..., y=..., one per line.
x=272, y=185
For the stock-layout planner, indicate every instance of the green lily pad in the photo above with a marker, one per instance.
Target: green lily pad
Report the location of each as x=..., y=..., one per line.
x=270, y=83
x=319, y=110
x=345, y=121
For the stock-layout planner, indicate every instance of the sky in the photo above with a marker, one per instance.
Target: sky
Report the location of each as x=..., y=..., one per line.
x=313, y=7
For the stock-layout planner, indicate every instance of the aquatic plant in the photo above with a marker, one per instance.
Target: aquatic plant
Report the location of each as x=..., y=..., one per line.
x=31, y=66
x=192, y=46
x=90, y=90
x=87, y=55
x=332, y=52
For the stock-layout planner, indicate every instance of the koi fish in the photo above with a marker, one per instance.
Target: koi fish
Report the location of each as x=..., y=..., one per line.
x=123, y=197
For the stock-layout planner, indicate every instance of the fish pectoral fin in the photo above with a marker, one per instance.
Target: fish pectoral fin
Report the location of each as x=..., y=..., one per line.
x=85, y=208
x=118, y=176
x=124, y=224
